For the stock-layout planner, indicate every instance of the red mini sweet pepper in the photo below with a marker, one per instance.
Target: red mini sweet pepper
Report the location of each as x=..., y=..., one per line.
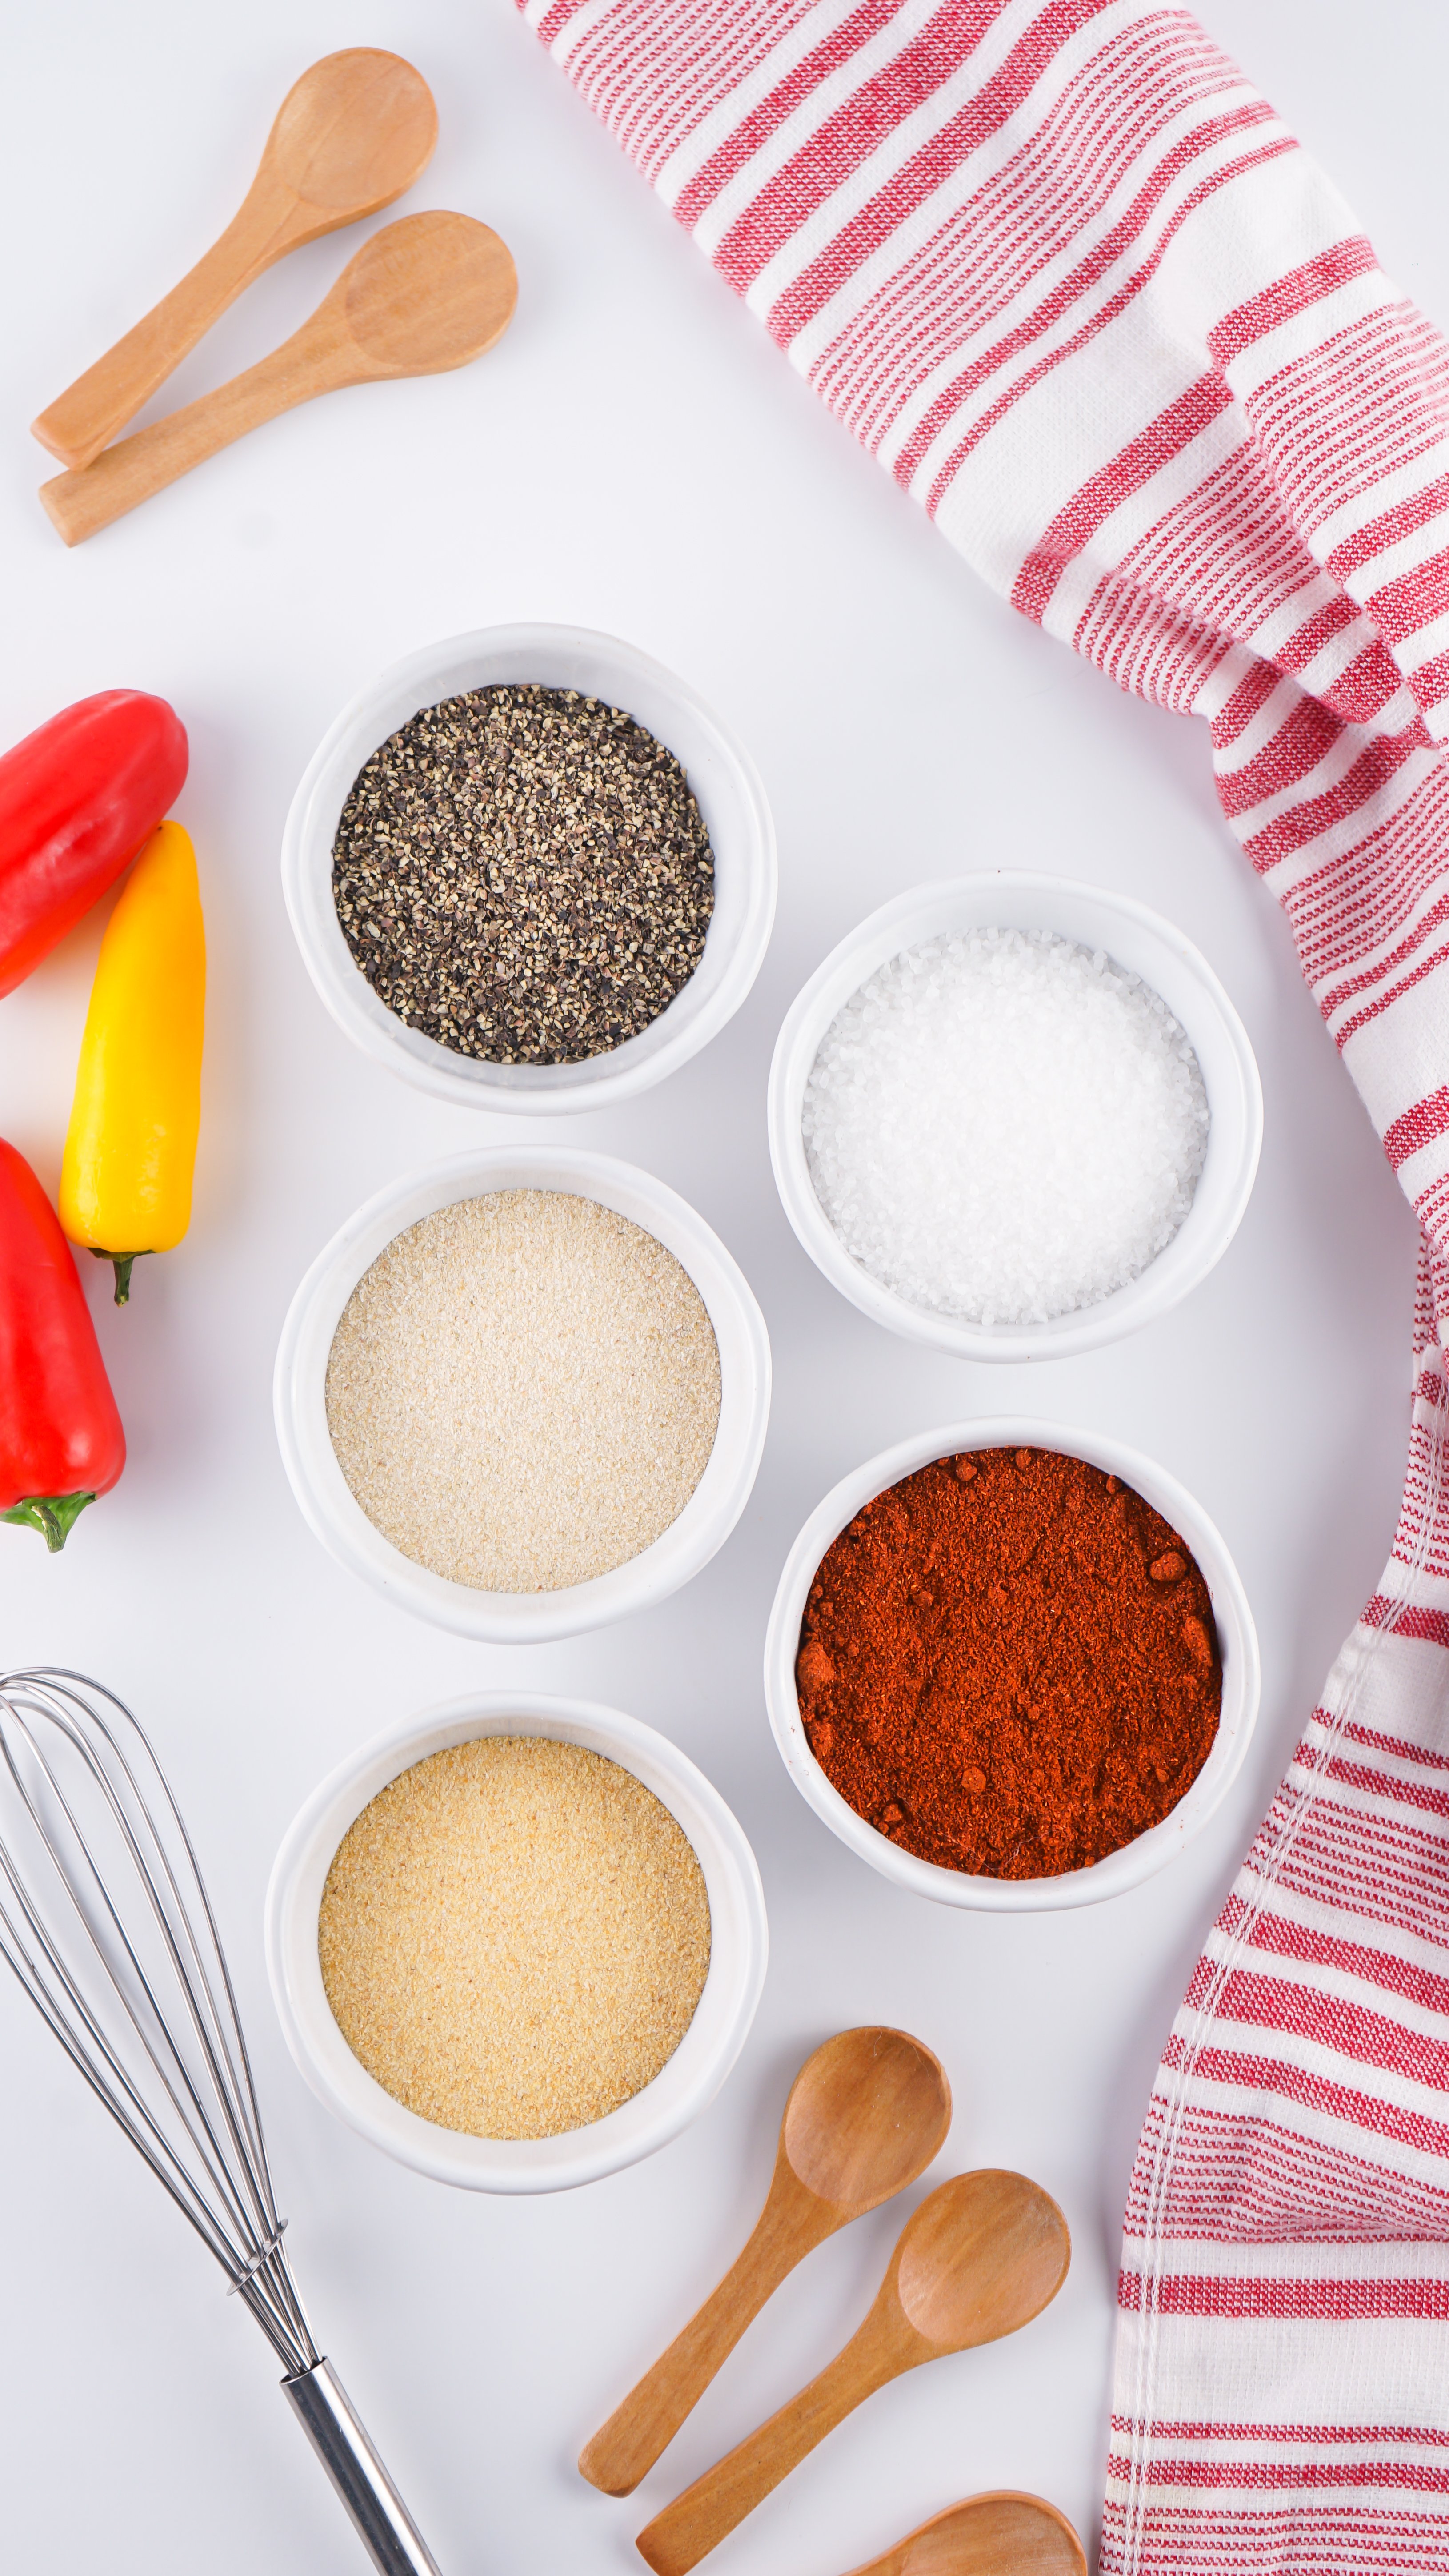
x=77, y=799
x=61, y=1441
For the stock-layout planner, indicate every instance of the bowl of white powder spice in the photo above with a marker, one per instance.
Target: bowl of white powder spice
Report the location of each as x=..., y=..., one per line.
x=517, y=1941
x=523, y=1392
x=1013, y=1117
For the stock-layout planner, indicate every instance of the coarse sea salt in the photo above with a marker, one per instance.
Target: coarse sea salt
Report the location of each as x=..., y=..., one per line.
x=1004, y=1126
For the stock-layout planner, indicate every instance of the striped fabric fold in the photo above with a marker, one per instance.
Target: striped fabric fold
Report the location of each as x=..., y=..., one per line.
x=1064, y=272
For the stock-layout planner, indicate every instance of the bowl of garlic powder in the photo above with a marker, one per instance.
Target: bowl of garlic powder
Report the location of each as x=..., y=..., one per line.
x=516, y=1942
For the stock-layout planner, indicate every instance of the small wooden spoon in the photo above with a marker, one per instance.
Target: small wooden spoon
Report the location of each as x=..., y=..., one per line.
x=980, y=2257
x=865, y=2116
x=424, y=295
x=988, y=2535
x=350, y=136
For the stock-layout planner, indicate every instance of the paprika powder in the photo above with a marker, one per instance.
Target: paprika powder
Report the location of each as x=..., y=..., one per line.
x=1008, y=1664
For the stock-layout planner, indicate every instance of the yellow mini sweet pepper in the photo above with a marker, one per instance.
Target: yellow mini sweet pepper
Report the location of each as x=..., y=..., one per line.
x=125, y=1181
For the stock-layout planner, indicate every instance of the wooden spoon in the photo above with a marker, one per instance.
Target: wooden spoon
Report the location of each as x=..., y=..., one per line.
x=980, y=2257
x=350, y=135
x=424, y=295
x=989, y=2535
x=865, y=2116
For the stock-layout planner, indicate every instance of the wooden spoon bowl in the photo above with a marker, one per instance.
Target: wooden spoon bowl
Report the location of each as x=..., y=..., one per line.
x=423, y=296
x=349, y=137
x=865, y=2116
x=988, y=2535
x=980, y=2257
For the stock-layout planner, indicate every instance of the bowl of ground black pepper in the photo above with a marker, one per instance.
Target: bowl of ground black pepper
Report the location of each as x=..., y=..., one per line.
x=530, y=870
x=516, y=1942
x=1012, y=1665
x=523, y=1392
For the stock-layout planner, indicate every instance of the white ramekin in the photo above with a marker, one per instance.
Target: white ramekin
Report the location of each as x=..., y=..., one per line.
x=522, y=1618
x=731, y=799
x=1136, y=938
x=739, y=1946
x=1237, y=1640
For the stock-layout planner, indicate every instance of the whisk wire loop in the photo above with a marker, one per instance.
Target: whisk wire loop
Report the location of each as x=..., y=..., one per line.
x=175, y=2075
x=106, y=1923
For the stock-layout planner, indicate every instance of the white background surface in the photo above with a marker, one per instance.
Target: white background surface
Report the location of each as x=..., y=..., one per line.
x=635, y=456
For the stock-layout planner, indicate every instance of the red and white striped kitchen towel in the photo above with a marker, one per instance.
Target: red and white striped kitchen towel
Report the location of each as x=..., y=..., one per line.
x=1065, y=273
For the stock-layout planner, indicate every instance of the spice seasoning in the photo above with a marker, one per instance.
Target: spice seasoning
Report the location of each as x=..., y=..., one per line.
x=523, y=875
x=1004, y=1126
x=523, y=1391
x=1008, y=1664
x=514, y=1936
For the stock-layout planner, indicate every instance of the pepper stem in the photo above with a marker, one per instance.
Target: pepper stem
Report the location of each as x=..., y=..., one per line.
x=54, y=1515
x=123, y=1261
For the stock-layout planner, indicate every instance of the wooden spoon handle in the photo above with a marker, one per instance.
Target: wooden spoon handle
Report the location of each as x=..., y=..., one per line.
x=707, y=2512
x=86, y=417
x=626, y=2448
x=307, y=364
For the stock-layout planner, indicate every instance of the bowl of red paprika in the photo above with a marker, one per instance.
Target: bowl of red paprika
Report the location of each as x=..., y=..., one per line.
x=1012, y=1665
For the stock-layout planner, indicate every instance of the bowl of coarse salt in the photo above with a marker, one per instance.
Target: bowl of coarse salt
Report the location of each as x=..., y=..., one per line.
x=1014, y=1117
x=956, y=1629
x=422, y=806
x=589, y=1921
x=523, y=1392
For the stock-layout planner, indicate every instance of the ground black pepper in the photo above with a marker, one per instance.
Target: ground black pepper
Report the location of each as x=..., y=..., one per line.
x=523, y=874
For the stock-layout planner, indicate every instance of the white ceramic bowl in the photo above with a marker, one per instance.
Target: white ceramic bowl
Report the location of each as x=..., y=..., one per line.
x=1237, y=1640
x=739, y=1946
x=730, y=798
x=1136, y=938
x=522, y=1618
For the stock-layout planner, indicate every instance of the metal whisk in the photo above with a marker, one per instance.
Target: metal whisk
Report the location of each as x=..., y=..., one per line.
x=107, y=1925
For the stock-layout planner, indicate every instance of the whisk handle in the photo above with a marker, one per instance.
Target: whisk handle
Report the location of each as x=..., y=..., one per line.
x=384, y=2525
